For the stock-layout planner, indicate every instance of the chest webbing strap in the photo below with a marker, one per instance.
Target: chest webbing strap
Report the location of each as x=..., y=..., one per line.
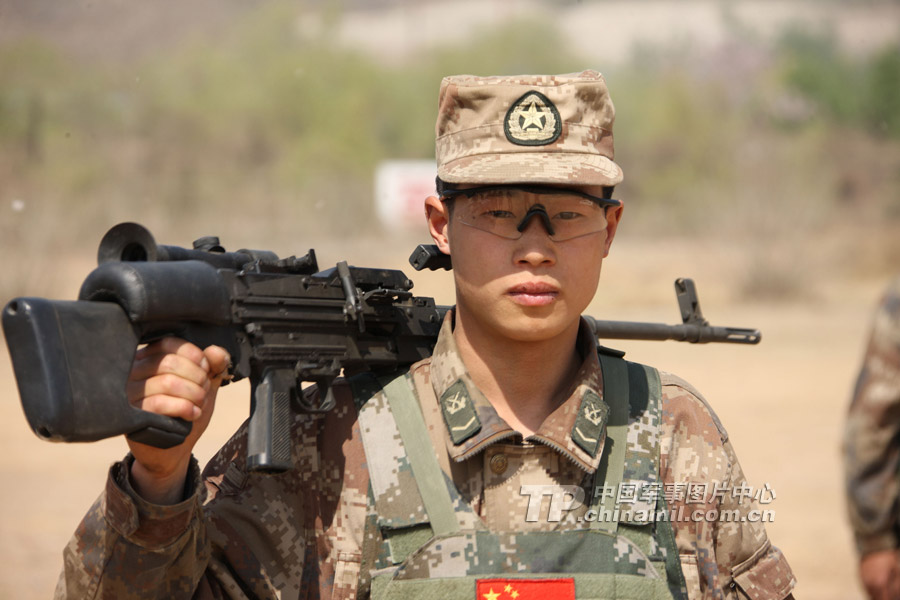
x=420, y=453
x=632, y=387
x=612, y=464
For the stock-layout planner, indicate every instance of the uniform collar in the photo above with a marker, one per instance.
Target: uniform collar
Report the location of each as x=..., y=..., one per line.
x=576, y=429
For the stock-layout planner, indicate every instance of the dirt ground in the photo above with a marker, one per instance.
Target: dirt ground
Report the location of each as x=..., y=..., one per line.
x=782, y=402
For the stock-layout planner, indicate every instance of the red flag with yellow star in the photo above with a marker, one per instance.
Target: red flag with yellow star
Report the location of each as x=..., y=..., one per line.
x=525, y=589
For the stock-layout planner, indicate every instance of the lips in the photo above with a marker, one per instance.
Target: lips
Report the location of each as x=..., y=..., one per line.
x=533, y=293
x=534, y=287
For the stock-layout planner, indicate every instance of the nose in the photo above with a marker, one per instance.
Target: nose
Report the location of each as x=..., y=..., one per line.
x=535, y=247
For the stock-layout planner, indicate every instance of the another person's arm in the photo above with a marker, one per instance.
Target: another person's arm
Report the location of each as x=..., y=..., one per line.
x=872, y=453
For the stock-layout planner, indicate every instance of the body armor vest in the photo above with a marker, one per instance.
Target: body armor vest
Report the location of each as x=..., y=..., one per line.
x=442, y=549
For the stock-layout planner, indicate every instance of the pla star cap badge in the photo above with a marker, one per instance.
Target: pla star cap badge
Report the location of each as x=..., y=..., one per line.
x=532, y=121
x=526, y=129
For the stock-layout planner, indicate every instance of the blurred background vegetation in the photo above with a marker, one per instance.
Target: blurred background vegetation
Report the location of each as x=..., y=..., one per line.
x=266, y=129
x=760, y=141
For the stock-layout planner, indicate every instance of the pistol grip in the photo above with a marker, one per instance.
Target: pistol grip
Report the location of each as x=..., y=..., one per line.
x=269, y=432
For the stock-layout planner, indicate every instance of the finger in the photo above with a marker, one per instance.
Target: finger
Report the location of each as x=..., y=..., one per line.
x=169, y=364
x=219, y=361
x=171, y=345
x=171, y=407
x=169, y=385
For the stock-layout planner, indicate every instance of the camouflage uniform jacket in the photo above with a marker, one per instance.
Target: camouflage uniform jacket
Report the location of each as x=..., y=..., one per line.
x=303, y=533
x=872, y=434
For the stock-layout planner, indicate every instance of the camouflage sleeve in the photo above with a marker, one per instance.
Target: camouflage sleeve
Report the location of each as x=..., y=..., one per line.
x=261, y=536
x=872, y=434
x=723, y=547
x=297, y=533
x=127, y=548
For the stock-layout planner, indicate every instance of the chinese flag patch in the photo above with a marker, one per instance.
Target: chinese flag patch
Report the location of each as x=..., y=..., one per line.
x=525, y=589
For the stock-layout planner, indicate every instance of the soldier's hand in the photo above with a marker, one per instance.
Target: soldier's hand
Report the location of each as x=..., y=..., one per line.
x=880, y=574
x=175, y=378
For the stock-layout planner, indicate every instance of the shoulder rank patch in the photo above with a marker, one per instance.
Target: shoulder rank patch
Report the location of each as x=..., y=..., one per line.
x=532, y=120
x=459, y=413
x=592, y=417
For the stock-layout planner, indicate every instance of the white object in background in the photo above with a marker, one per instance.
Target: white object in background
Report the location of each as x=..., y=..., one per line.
x=401, y=187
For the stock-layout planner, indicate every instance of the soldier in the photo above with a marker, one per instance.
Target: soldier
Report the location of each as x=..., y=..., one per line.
x=872, y=453
x=519, y=461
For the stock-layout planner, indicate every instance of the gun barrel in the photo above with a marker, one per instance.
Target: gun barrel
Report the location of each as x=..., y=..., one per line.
x=697, y=334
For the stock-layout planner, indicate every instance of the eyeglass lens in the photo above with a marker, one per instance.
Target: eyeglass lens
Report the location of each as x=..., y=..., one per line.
x=508, y=213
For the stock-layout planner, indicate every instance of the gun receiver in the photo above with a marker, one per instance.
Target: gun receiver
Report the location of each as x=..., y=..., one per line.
x=283, y=321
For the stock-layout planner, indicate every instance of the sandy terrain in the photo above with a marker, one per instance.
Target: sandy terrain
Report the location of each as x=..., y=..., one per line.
x=782, y=402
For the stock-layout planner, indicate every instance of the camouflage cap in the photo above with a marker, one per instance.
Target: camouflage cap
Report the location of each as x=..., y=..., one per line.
x=526, y=128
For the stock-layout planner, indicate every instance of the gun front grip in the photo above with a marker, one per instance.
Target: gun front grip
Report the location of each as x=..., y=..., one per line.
x=72, y=361
x=269, y=429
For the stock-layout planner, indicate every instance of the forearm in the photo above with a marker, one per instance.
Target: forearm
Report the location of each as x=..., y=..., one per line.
x=871, y=445
x=166, y=490
x=872, y=486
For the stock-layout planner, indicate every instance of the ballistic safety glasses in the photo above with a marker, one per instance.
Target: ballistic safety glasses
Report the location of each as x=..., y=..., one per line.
x=506, y=210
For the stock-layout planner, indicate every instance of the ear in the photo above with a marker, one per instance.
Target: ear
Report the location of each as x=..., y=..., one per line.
x=438, y=217
x=613, y=218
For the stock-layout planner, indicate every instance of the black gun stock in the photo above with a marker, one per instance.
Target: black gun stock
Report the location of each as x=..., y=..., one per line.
x=283, y=321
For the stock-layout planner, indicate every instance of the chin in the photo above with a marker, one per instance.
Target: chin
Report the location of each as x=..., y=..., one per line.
x=537, y=328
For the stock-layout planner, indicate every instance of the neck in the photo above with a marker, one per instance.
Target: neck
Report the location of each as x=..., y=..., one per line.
x=525, y=381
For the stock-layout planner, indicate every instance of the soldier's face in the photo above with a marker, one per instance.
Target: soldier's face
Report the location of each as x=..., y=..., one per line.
x=527, y=289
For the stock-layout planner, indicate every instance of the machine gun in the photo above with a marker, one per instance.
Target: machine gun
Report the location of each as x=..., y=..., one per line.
x=283, y=321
